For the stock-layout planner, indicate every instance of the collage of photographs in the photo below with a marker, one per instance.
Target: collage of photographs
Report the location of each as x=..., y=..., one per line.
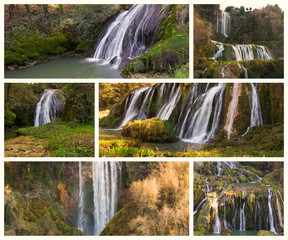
x=108, y=132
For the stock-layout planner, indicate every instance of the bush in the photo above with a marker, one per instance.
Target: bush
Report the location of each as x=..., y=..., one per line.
x=9, y=118
x=85, y=46
x=150, y=130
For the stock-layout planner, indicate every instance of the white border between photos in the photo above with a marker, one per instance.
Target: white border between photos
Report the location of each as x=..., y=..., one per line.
x=283, y=4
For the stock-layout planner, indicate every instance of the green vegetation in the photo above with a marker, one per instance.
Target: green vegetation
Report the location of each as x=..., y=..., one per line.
x=260, y=26
x=68, y=139
x=251, y=190
x=37, y=201
x=150, y=130
x=72, y=135
x=170, y=50
x=260, y=141
x=37, y=31
x=41, y=198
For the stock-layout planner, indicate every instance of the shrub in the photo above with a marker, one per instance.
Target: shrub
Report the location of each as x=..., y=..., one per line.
x=9, y=118
x=85, y=46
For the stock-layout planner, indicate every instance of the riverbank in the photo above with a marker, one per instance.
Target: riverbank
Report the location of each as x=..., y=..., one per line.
x=58, y=139
x=259, y=142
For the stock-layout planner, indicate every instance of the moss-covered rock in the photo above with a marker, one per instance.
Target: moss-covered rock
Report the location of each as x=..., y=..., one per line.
x=150, y=130
x=265, y=233
x=37, y=46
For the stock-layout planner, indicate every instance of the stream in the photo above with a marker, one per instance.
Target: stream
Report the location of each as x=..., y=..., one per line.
x=70, y=67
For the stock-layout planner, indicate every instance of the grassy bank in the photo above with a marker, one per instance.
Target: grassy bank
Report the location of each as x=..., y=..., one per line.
x=65, y=139
x=262, y=141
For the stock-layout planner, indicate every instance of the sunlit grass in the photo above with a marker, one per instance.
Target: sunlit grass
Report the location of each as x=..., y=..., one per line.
x=65, y=139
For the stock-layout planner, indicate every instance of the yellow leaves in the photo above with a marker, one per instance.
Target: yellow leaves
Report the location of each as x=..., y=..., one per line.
x=63, y=193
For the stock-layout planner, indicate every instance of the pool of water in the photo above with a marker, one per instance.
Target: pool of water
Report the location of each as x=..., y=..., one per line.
x=179, y=146
x=70, y=67
x=237, y=233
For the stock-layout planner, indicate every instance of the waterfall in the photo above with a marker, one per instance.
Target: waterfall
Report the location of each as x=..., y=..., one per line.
x=105, y=187
x=196, y=122
x=271, y=218
x=199, y=205
x=137, y=104
x=245, y=52
x=48, y=108
x=219, y=168
x=81, y=220
x=226, y=24
x=129, y=35
x=235, y=215
x=207, y=188
x=225, y=223
x=263, y=53
x=232, y=110
x=220, y=51
x=280, y=196
x=170, y=97
x=256, y=116
x=279, y=211
x=131, y=108
x=217, y=224
x=242, y=218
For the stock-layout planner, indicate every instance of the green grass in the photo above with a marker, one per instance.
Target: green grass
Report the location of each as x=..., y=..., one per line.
x=69, y=139
x=131, y=148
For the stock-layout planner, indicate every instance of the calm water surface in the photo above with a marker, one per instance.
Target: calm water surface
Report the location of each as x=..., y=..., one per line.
x=70, y=67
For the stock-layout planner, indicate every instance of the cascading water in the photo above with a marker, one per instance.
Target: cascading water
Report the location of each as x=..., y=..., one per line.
x=199, y=205
x=170, y=101
x=271, y=218
x=219, y=168
x=130, y=35
x=206, y=105
x=131, y=109
x=137, y=106
x=225, y=223
x=48, y=108
x=232, y=110
x=256, y=116
x=81, y=219
x=198, y=120
x=105, y=187
x=242, y=218
x=226, y=24
x=279, y=211
x=217, y=224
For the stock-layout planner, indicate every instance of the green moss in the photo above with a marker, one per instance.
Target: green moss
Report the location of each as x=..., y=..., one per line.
x=139, y=66
x=164, y=56
x=34, y=47
x=242, y=120
x=182, y=72
x=265, y=233
x=150, y=130
x=118, y=224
